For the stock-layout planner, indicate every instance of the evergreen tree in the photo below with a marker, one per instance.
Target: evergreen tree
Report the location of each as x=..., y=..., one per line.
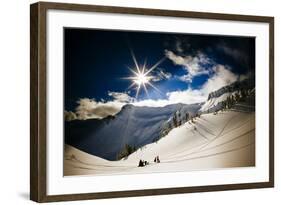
x=179, y=118
x=243, y=94
x=175, y=121
x=187, y=117
x=223, y=105
x=126, y=151
x=179, y=123
x=237, y=97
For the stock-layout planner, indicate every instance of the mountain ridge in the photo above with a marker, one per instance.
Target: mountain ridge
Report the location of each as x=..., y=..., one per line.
x=133, y=125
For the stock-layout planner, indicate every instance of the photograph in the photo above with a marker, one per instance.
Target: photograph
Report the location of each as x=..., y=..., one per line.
x=139, y=102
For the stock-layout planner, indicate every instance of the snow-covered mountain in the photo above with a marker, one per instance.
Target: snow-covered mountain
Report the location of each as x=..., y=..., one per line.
x=133, y=125
x=238, y=88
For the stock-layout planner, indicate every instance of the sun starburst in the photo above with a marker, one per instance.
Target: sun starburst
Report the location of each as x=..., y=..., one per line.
x=142, y=76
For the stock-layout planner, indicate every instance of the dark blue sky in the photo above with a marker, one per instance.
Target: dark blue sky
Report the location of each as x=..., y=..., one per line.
x=96, y=61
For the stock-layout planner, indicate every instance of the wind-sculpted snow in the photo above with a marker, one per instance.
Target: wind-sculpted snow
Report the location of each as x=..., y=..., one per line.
x=136, y=126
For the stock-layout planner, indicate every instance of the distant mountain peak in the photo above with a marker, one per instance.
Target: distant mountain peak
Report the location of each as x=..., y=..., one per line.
x=127, y=106
x=243, y=84
x=133, y=125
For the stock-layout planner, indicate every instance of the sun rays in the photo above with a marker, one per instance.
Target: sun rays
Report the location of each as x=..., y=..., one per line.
x=142, y=76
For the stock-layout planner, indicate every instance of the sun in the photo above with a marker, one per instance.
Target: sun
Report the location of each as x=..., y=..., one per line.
x=141, y=79
x=142, y=76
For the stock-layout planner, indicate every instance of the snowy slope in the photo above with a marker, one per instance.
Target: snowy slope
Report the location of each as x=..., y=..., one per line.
x=136, y=126
x=212, y=141
x=214, y=103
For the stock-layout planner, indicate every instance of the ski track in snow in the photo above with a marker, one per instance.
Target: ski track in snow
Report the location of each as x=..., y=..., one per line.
x=224, y=140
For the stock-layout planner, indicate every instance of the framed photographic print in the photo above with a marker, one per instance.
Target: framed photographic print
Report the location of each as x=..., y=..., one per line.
x=134, y=102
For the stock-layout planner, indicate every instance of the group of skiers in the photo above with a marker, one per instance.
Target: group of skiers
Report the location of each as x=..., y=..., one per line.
x=143, y=163
x=156, y=159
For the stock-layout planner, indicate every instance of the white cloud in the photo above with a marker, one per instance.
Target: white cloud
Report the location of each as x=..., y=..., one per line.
x=194, y=65
x=188, y=96
x=185, y=78
x=121, y=97
x=222, y=77
x=69, y=115
x=90, y=108
x=158, y=75
x=152, y=103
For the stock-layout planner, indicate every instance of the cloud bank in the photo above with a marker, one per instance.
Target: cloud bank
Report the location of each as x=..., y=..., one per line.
x=90, y=108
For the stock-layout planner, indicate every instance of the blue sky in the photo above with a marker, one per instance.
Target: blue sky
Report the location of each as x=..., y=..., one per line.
x=99, y=66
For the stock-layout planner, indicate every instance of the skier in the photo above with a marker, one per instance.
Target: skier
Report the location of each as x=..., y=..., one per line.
x=156, y=159
x=141, y=164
